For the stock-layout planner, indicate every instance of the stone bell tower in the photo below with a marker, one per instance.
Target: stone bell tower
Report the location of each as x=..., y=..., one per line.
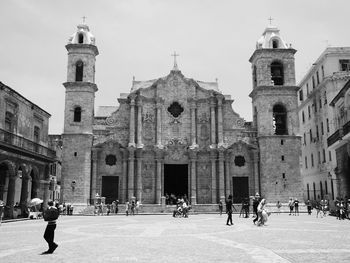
x=275, y=117
x=78, y=117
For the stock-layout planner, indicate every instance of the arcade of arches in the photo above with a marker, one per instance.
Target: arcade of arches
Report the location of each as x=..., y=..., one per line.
x=19, y=183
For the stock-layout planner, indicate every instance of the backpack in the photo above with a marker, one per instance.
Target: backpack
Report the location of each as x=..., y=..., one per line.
x=51, y=214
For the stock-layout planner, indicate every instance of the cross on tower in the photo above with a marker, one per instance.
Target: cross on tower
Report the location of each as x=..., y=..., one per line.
x=84, y=17
x=270, y=19
x=175, y=63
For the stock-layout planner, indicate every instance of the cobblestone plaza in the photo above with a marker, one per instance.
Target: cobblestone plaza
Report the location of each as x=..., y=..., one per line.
x=162, y=238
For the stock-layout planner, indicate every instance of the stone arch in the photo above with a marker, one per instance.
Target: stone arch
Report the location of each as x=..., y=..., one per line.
x=275, y=42
x=79, y=70
x=34, y=182
x=277, y=72
x=7, y=171
x=279, y=119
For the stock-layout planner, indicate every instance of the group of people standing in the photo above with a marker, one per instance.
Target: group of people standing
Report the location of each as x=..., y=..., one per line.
x=132, y=207
x=293, y=206
x=259, y=209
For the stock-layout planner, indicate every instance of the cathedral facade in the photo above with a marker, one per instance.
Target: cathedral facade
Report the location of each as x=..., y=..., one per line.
x=176, y=135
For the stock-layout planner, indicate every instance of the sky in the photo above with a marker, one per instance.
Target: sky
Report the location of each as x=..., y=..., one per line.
x=215, y=39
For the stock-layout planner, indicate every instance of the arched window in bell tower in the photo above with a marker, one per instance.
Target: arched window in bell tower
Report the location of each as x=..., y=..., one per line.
x=81, y=38
x=279, y=120
x=77, y=114
x=277, y=75
x=275, y=43
x=79, y=70
x=254, y=76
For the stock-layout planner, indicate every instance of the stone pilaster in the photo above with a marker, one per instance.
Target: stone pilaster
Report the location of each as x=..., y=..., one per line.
x=193, y=157
x=131, y=173
x=220, y=121
x=159, y=123
x=221, y=175
x=213, y=177
x=193, y=124
x=139, y=123
x=124, y=192
x=132, y=123
x=159, y=160
x=94, y=173
x=212, y=123
x=11, y=195
x=228, y=175
x=139, y=176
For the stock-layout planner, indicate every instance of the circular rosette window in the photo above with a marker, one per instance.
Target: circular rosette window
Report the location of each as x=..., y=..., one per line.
x=175, y=109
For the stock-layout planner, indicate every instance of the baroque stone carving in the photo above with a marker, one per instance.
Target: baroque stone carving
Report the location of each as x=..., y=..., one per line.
x=176, y=149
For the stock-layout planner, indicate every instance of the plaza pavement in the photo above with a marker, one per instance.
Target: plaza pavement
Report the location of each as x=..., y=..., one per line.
x=162, y=238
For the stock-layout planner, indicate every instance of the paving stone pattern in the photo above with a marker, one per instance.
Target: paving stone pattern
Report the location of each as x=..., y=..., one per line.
x=162, y=238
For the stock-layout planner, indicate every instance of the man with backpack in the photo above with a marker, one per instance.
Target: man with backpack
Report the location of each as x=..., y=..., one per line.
x=50, y=215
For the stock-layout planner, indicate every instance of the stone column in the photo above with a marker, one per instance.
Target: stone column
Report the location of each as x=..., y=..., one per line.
x=132, y=123
x=139, y=123
x=11, y=195
x=193, y=124
x=24, y=191
x=139, y=176
x=159, y=161
x=159, y=123
x=94, y=173
x=46, y=184
x=213, y=177
x=228, y=175
x=221, y=175
x=131, y=173
x=212, y=123
x=220, y=121
x=124, y=192
x=193, y=156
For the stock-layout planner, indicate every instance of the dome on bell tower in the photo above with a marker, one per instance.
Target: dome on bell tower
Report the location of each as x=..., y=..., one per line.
x=82, y=36
x=271, y=39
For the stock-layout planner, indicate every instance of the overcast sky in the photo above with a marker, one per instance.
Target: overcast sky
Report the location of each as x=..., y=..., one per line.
x=214, y=38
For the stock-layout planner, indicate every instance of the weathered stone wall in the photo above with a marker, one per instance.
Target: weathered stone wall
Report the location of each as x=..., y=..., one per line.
x=273, y=186
x=76, y=167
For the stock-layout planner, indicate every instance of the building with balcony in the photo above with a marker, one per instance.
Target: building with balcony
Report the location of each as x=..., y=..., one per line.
x=339, y=141
x=318, y=88
x=25, y=159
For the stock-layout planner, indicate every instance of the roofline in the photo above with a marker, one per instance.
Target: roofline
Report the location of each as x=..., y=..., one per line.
x=2, y=85
x=324, y=54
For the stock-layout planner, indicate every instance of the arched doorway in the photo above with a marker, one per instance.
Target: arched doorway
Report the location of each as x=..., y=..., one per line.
x=4, y=181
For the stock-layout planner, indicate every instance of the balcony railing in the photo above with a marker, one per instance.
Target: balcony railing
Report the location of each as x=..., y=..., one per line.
x=333, y=138
x=338, y=135
x=23, y=143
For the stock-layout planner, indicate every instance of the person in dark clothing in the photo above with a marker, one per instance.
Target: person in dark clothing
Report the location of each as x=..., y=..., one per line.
x=296, y=207
x=309, y=207
x=256, y=202
x=50, y=215
x=229, y=205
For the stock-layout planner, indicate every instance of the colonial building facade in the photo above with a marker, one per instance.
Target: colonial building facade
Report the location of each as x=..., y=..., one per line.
x=25, y=159
x=318, y=122
x=176, y=135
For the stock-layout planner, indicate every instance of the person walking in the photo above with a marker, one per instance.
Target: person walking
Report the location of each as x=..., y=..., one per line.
x=309, y=207
x=256, y=202
x=229, y=205
x=291, y=206
x=262, y=213
x=296, y=207
x=50, y=215
x=278, y=205
x=220, y=207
